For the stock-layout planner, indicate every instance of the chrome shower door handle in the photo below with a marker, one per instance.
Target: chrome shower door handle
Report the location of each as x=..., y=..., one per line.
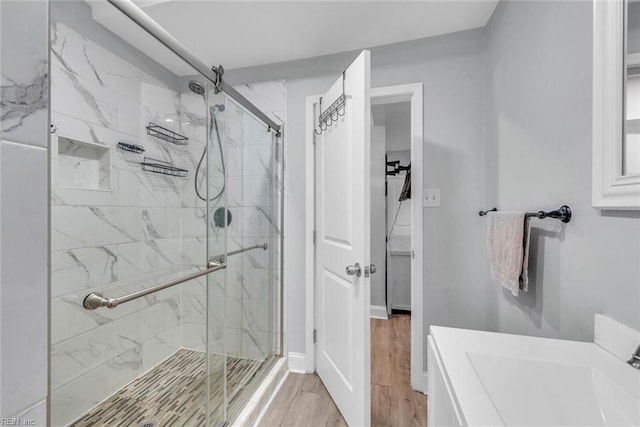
x=354, y=269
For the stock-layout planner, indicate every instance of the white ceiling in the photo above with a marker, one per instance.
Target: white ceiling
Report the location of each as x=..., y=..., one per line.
x=247, y=33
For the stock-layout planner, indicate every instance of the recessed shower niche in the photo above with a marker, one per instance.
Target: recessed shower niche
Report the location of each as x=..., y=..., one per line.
x=83, y=165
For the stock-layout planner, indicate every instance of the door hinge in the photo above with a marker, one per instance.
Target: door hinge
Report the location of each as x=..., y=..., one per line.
x=315, y=336
x=314, y=137
x=314, y=236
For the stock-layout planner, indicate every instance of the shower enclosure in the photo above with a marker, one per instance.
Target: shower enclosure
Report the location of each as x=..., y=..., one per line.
x=157, y=176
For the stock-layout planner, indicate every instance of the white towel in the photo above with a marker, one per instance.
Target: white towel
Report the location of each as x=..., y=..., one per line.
x=508, y=248
x=524, y=276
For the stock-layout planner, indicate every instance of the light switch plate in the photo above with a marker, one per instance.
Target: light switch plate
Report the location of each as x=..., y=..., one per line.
x=431, y=198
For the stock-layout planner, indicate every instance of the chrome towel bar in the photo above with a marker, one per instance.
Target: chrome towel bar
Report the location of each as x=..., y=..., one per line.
x=221, y=259
x=96, y=300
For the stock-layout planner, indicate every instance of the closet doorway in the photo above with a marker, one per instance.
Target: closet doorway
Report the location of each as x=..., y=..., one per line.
x=391, y=222
x=393, y=401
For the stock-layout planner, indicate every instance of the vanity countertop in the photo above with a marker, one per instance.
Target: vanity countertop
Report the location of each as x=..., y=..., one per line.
x=503, y=379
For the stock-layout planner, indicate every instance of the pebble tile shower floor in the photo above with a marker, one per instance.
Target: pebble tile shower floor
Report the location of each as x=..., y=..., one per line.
x=173, y=393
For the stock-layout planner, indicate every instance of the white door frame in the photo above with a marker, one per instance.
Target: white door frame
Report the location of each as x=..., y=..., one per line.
x=385, y=95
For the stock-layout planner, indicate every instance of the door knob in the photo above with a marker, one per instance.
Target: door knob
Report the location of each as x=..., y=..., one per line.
x=370, y=269
x=354, y=269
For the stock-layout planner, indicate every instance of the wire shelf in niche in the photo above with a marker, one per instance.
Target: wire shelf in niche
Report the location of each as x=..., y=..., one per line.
x=162, y=168
x=165, y=134
x=132, y=148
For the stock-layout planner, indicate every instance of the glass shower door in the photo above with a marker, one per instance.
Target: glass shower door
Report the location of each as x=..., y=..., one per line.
x=242, y=301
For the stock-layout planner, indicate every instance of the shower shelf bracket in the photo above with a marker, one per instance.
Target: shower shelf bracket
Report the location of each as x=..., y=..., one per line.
x=162, y=168
x=165, y=134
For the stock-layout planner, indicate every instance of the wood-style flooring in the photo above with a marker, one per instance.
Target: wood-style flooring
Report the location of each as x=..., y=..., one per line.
x=304, y=401
x=393, y=401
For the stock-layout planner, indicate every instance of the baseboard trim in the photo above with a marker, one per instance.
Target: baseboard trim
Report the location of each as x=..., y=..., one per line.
x=379, y=312
x=422, y=383
x=297, y=363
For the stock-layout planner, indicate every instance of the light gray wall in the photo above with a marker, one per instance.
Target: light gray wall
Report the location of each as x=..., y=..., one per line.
x=378, y=215
x=398, y=123
x=538, y=136
x=451, y=69
x=633, y=28
x=527, y=80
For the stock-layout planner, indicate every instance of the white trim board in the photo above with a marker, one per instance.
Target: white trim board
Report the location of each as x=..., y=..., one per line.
x=379, y=312
x=385, y=95
x=298, y=363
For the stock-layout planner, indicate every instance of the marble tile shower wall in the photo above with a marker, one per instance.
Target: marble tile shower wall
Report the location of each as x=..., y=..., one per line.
x=24, y=123
x=115, y=228
x=245, y=314
x=254, y=168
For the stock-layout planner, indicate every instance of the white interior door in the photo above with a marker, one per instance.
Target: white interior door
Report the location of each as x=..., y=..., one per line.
x=343, y=239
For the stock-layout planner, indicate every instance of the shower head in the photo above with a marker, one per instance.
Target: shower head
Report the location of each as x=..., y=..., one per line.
x=196, y=87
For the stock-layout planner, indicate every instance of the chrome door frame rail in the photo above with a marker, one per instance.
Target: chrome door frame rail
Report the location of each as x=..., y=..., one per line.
x=138, y=16
x=96, y=300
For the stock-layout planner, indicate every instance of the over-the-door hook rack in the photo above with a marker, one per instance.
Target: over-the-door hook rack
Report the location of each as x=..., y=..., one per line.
x=333, y=113
x=563, y=213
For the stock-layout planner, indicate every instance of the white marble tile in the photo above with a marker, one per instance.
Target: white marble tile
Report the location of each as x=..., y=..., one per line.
x=233, y=339
x=199, y=286
x=76, y=269
x=258, y=221
x=148, y=189
x=72, y=400
x=34, y=416
x=74, y=53
x=255, y=132
x=194, y=252
x=78, y=355
x=130, y=117
x=233, y=312
x=162, y=223
x=23, y=73
x=193, y=222
x=268, y=96
x=143, y=325
x=193, y=116
x=194, y=336
x=78, y=97
x=259, y=160
x=256, y=315
x=233, y=156
x=82, y=165
x=69, y=318
x=194, y=308
x=129, y=259
x=24, y=313
x=256, y=284
x=83, y=226
x=255, y=344
x=258, y=191
x=161, y=346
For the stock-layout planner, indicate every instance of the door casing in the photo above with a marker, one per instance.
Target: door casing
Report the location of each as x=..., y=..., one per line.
x=412, y=93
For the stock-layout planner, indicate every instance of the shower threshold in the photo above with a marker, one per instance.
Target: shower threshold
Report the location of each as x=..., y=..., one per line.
x=174, y=392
